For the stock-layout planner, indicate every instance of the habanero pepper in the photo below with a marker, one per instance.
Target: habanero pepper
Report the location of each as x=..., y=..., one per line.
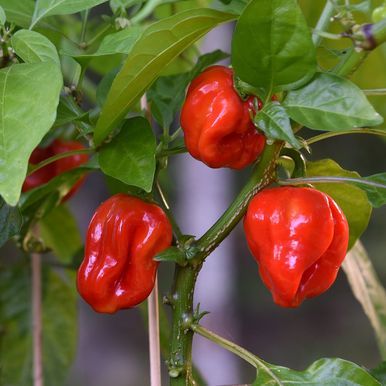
x=217, y=123
x=299, y=238
x=118, y=270
x=48, y=172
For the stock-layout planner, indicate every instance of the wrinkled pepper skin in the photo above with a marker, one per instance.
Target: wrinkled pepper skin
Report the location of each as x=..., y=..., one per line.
x=53, y=169
x=299, y=238
x=118, y=270
x=217, y=122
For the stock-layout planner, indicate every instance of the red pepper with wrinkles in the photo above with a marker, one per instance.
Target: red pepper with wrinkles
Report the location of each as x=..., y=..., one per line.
x=48, y=172
x=299, y=238
x=217, y=122
x=118, y=270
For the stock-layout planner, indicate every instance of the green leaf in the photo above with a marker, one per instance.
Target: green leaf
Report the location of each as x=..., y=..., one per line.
x=59, y=326
x=167, y=93
x=154, y=50
x=18, y=12
x=171, y=255
x=272, y=46
x=380, y=373
x=10, y=222
x=29, y=96
x=117, y=43
x=323, y=372
x=3, y=16
x=33, y=47
x=331, y=103
x=130, y=156
x=105, y=85
x=368, y=290
x=69, y=112
x=275, y=123
x=60, y=232
x=376, y=196
x=44, y=8
x=351, y=199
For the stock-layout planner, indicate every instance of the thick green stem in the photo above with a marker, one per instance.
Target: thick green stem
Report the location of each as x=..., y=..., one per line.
x=262, y=176
x=180, y=360
x=324, y=21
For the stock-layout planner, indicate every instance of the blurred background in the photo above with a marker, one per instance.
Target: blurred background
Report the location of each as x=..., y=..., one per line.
x=113, y=349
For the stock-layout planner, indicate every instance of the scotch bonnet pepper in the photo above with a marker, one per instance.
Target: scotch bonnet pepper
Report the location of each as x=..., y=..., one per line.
x=48, y=172
x=299, y=237
x=217, y=123
x=118, y=270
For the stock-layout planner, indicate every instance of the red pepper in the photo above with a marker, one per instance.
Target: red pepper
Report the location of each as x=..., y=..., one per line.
x=118, y=270
x=299, y=237
x=217, y=122
x=46, y=173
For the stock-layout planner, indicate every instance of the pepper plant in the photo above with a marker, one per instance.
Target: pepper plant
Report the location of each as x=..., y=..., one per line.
x=113, y=75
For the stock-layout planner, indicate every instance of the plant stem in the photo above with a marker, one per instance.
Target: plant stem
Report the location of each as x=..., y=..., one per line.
x=180, y=360
x=331, y=134
x=154, y=343
x=37, y=319
x=236, y=349
x=350, y=63
x=57, y=157
x=376, y=91
x=262, y=176
x=332, y=179
x=84, y=26
x=323, y=22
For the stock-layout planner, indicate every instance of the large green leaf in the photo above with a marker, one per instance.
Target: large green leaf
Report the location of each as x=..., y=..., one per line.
x=380, y=373
x=368, y=290
x=272, y=46
x=60, y=232
x=10, y=221
x=130, y=156
x=323, y=372
x=18, y=11
x=59, y=326
x=44, y=8
x=275, y=123
x=154, y=50
x=350, y=198
x=331, y=103
x=29, y=96
x=33, y=47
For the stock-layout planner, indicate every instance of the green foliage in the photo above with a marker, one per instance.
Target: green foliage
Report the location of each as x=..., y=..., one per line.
x=18, y=12
x=33, y=47
x=60, y=233
x=10, y=222
x=351, y=199
x=331, y=103
x=323, y=372
x=59, y=326
x=130, y=156
x=44, y=8
x=258, y=57
x=273, y=120
x=376, y=196
x=3, y=16
x=368, y=290
x=154, y=50
x=28, y=102
x=380, y=373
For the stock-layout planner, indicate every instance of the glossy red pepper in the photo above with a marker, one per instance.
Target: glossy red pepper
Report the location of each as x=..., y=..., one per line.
x=299, y=238
x=46, y=173
x=217, y=122
x=118, y=270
